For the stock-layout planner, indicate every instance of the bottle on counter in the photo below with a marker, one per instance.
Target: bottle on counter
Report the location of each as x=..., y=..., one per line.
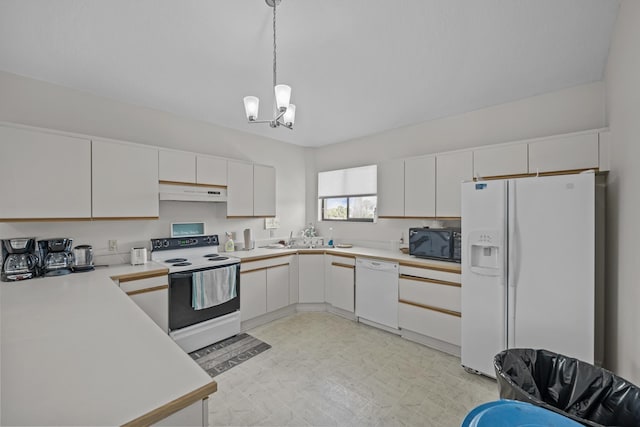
x=229, y=246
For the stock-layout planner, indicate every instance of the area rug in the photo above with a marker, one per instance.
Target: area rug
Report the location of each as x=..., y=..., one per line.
x=224, y=355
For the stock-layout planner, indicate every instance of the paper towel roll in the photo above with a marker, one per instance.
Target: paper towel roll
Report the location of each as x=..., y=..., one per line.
x=248, y=239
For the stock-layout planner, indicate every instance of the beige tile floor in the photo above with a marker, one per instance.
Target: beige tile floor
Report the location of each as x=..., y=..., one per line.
x=323, y=370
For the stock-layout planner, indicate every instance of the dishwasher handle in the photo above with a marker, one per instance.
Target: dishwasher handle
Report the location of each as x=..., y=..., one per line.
x=372, y=264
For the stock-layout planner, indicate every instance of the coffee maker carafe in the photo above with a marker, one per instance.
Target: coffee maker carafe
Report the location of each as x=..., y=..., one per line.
x=56, y=258
x=19, y=261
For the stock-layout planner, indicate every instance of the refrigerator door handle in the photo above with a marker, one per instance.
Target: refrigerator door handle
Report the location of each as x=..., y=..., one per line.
x=512, y=242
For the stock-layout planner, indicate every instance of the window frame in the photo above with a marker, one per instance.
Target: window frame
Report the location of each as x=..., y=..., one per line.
x=347, y=219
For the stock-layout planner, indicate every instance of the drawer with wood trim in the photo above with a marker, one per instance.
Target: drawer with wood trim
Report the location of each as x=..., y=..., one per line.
x=430, y=292
x=134, y=286
x=429, y=322
x=266, y=262
x=430, y=273
x=343, y=261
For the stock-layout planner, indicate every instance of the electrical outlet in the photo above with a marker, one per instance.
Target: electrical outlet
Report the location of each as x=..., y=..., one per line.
x=113, y=246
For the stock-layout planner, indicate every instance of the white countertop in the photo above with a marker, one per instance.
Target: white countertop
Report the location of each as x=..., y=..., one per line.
x=76, y=350
x=358, y=251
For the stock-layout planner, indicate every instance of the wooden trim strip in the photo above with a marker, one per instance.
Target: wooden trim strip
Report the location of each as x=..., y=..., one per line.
x=43, y=219
x=424, y=279
x=263, y=257
x=124, y=218
x=341, y=255
x=174, y=406
x=432, y=308
x=264, y=268
x=240, y=216
x=339, y=264
x=141, y=275
x=191, y=184
x=528, y=175
x=147, y=290
x=453, y=269
x=405, y=217
x=310, y=251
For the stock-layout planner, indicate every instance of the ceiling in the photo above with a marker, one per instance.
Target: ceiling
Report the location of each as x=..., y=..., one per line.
x=356, y=67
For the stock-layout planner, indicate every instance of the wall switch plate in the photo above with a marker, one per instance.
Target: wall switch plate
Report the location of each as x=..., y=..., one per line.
x=113, y=246
x=271, y=223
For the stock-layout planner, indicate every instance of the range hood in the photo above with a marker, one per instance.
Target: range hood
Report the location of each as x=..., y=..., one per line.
x=193, y=193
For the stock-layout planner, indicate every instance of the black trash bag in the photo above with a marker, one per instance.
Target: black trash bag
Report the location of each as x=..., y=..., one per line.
x=587, y=394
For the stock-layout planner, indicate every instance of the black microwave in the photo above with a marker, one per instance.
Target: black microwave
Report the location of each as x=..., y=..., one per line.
x=444, y=244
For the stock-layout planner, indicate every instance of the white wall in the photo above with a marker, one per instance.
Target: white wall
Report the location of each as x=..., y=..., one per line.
x=42, y=104
x=569, y=110
x=623, y=201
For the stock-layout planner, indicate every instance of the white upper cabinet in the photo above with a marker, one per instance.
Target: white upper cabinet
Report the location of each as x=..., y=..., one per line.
x=124, y=180
x=239, y=189
x=211, y=170
x=500, y=161
x=44, y=175
x=264, y=190
x=177, y=166
x=420, y=187
x=451, y=170
x=391, y=188
x=571, y=152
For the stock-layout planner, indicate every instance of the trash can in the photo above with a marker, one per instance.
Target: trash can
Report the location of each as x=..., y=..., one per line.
x=590, y=395
x=509, y=413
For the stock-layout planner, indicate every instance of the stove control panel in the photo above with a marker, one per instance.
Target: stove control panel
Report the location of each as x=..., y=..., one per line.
x=184, y=242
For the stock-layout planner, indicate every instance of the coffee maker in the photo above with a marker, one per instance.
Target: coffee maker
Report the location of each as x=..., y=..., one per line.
x=56, y=258
x=19, y=261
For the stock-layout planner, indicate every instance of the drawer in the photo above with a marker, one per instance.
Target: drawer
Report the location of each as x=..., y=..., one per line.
x=431, y=274
x=344, y=260
x=442, y=326
x=160, y=282
x=439, y=295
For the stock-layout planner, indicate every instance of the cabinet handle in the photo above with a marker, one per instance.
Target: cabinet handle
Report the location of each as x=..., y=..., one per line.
x=339, y=264
x=146, y=290
x=432, y=308
x=264, y=268
x=435, y=281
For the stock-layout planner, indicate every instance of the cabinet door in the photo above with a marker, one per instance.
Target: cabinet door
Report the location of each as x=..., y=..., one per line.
x=177, y=166
x=211, y=170
x=420, y=187
x=253, y=294
x=342, y=287
x=451, y=170
x=311, y=278
x=239, y=189
x=156, y=305
x=572, y=152
x=264, y=190
x=125, y=180
x=500, y=161
x=277, y=287
x=44, y=175
x=391, y=188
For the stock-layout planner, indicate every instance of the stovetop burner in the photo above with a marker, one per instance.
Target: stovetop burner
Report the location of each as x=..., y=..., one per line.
x=219, y=258
x=181, y=264
x=174, y=260
x=210, y=255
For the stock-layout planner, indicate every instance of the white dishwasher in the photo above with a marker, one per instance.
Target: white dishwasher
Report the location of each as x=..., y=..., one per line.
x=377, y=291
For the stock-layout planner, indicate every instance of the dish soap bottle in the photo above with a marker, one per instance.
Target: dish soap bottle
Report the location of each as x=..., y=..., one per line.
x=228, y=245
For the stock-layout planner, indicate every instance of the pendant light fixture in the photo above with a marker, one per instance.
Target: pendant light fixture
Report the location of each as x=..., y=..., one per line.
x=285, y=113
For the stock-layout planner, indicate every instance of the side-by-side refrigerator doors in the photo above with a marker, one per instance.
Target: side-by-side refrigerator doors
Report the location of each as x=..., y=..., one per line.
x=551, y=264
x=484, y=234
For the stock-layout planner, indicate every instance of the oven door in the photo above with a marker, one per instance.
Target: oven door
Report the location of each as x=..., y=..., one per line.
x=182, y=314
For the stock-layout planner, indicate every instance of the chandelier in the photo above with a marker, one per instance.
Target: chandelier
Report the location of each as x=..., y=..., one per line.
x=285, y=113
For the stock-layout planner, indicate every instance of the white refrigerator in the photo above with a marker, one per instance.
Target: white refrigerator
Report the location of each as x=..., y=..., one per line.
x=530, y=265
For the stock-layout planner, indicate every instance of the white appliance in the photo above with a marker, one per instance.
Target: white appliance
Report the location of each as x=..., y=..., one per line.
x=377, y=292
x=531, y=267
x=138, y=256
x=191, y=193
x=191, y=328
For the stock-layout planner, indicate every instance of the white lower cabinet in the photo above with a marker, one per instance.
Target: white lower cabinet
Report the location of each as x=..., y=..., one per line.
x=264, y=286
x=429, y=303
x=277, y=287
x=253, y=293
x=311, y=278
x=341, y=285
x=151, y=294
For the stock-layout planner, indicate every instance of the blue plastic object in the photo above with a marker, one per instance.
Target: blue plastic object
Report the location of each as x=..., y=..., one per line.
x=510, y=413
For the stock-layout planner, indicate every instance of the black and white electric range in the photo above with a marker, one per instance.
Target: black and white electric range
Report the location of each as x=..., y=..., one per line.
x=191, y=328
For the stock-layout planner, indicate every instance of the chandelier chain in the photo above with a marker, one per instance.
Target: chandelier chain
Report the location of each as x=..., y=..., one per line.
x=274, y=43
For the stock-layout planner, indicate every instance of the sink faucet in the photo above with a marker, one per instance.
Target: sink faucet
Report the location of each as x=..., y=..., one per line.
x=290, y=242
